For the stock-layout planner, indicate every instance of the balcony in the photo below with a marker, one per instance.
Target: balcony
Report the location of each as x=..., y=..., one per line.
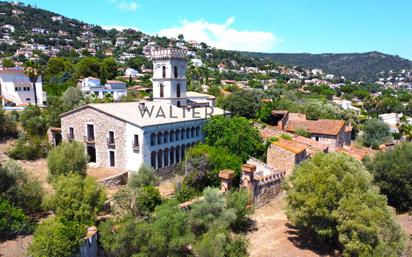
x=70, y=137
x=136, y=147
x=110, y=143
x=88, y=139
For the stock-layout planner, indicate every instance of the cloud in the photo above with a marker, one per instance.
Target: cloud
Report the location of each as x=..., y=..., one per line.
x=223, y=36
x=119, y=27
x=124, y=5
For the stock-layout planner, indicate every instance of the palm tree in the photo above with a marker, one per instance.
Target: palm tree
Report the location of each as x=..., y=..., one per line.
x=33, y=71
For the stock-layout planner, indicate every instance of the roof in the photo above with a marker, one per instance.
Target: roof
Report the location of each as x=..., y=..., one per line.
x=324, y=127
x=151, y=113
x=313, y=145
x=196, y=94
x=290, y=145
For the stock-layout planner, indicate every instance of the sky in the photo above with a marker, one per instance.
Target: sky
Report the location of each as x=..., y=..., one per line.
x=278, y=26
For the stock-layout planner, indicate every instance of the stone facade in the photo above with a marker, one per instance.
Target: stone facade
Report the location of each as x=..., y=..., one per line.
x=283, y=159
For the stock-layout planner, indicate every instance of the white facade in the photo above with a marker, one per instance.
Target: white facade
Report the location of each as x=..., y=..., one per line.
x=91, y=85
x=131, y=72
x=16, y=88
x=169, y=76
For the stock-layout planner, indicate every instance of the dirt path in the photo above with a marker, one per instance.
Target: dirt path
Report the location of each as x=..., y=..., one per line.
x=273, y=236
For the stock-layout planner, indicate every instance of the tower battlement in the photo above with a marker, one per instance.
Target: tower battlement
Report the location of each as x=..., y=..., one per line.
x=168, y=53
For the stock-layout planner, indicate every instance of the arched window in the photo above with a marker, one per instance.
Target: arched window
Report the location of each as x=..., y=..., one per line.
x=159, y=159
x=178, y=103
x=166, y=157
x=166, y=137
x=177, y=154
x=182, y=134
x=164, y=71
x=197, y=131
x=159, y=138
x=182, y=155
x=178, y=90
x=162, y=90
x=188, y=133
x=177, y=134
x=172, y=136
x=192, y=132
x=175, y=72
x=153, y=159
x=152, y=139
x=172, y=156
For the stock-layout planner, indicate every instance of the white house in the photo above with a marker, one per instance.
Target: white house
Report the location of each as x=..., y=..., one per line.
x=197, y=62
x=154, y=133
x=130, y=72
x=91, y=85
x=16, y=89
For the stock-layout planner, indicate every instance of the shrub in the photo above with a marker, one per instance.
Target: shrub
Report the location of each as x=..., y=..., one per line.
x=238, y=200
x=147, y=199
x=19, y=188
x=67, y=158
x=332, y=196
x=7, y=124
x=286, y=137
x=145, y=176
x=34, y=121
x=392, y=172
x=29, y=148
x=76, y=198
x=302, y=132
x=56, y=238
x=13, y=221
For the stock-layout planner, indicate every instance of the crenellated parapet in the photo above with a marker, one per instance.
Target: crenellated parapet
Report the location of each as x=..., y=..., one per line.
x=169, y=53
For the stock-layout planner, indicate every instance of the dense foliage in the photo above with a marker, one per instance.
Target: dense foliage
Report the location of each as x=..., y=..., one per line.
x=392, y=172
x=332, y=196
x=76, y=198
x=375, y=133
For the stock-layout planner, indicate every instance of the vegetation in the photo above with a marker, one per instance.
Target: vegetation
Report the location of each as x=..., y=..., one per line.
x=13, y=221
x=235, y=134
x=67, y=158
x=392, y=172
x=332, y=197
x=375, y=133
x=57, y=238
x=76, y=198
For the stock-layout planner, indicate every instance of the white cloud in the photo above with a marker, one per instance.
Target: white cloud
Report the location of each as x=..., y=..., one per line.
x=223, y=36
x=124, y=5
x=119, y=27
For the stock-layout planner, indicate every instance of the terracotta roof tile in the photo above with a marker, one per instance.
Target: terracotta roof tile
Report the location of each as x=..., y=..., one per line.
x=324, y=127
x=290, y=145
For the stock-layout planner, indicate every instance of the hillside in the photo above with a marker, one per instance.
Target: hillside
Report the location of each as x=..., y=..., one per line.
x=355, y=66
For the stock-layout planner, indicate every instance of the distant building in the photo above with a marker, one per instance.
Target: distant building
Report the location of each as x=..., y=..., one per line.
x=91, y=85
x=392, y=120
x=129, y=72
x=197, y=62
x=16, y=89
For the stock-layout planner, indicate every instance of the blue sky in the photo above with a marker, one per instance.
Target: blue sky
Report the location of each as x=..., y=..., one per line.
x=292, y=26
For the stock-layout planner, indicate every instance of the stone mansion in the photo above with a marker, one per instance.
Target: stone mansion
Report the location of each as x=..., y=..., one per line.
x=155, y=133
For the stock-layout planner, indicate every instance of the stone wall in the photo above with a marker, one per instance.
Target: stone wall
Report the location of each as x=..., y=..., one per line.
x=280, y=159
x=103, y=123
x=115, y=180
x=266, y=191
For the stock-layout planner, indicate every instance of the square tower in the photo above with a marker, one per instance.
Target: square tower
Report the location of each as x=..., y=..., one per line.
x=169, y=76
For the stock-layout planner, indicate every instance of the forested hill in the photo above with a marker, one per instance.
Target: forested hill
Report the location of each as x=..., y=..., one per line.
x=351, y=65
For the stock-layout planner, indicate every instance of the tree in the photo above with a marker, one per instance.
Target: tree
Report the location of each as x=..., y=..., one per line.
x=56, y=238
x=34, y=121
x=332, y=197
x=88, y=66
x=111, y=67
x=181, y=37
x=33, y=71
x=210, y=212
x=235, y=134
x=103, y=74
x=147, y=198
x=239, y=200
x=18, y=188
x=405, y=128
x=76, y=198
x=392, y=172
x=242, y=103
x=131, y=237
x=73, y=97
x=67, y=158
x=375, y=133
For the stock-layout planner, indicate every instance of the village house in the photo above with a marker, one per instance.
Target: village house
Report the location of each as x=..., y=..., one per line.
x=16, y=89
x=284, y=154
x=91, y=85
x=333, y=133
x=155, y=133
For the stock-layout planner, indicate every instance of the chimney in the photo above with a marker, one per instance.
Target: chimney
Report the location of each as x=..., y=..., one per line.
x=226, y=177
x=247, y=176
